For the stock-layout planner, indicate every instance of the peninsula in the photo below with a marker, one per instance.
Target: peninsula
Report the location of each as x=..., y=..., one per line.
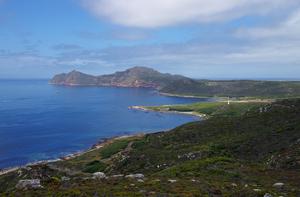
x=178, y=85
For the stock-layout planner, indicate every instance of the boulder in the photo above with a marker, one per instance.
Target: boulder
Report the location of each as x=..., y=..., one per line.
x=135, y=176
x=234, y=185
x=172, y=180
x=29, y=184
x=99, y=175
x=64, y=178
x=278, y=185
x=117, y=176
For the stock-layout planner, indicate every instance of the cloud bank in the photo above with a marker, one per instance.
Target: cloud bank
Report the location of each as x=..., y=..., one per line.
x=159, y=13
x=287, y=29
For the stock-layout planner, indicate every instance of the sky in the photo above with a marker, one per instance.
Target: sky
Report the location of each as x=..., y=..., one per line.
x=208, y=39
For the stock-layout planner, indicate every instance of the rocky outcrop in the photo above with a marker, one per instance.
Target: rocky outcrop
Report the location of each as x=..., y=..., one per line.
x=29, y=184
x=136, y=176
x=99, y=175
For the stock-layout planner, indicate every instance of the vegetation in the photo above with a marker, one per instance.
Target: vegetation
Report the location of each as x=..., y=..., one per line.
x=95, y=166
x=210, y=108
x=239, y=151
x=180, y=85
x=113, y=148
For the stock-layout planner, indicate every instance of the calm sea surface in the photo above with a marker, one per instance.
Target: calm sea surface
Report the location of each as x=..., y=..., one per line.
x=40, y=121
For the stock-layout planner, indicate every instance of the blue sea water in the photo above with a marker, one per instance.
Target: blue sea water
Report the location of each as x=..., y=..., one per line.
x=39, y=121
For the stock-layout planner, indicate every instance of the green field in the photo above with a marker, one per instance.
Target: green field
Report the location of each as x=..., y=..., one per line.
x=210, y=108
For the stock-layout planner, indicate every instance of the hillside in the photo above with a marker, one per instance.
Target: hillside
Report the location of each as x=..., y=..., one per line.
x=180, y=85
x=134, y=77
x=249, y=153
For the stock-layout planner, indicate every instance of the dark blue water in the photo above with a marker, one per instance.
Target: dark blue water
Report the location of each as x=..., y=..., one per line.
x=40, y=121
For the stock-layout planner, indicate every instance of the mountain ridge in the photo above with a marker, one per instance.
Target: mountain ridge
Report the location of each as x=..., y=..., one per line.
x=145, y=77
x=134, y=77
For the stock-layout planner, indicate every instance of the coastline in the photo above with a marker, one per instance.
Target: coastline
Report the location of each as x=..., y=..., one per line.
x=191, y=96
x=195, y=114
x=98, y=145
x=101, y=143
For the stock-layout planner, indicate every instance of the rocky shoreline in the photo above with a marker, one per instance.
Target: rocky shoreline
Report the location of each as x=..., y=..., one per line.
x=101, y=143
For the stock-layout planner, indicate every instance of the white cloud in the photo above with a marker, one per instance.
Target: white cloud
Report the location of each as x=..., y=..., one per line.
x=288, y=29
x=25, y=64
x=157, y=13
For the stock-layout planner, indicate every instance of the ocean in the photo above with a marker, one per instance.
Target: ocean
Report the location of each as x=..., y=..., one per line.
x=39, y=121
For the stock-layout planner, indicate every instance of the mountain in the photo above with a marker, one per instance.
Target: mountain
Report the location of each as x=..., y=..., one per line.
x=180, y=85
x=74, y=78
x=133, y=77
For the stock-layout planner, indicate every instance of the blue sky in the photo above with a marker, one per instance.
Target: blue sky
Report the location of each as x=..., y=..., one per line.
x=198, y=38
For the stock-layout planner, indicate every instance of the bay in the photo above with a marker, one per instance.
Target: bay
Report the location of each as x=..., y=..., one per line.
x=39, y=121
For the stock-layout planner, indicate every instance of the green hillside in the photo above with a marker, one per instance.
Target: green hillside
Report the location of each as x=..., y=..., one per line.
x=230, y=154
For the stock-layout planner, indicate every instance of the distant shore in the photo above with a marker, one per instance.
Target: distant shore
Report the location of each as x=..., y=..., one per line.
x=187, y=96
x=142, y=108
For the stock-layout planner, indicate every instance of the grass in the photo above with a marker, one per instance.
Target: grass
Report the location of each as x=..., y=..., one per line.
x=113, y=148
x=210, y=108
x=95, y=166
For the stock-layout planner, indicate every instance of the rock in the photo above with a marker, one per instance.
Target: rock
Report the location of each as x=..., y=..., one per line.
x=278, y=185
x=234, y=185
x=268, y=195
x=117, y=176
x=136, y=176
x=140, y=180
x=99, y=175
x=29, y=184
x=20, y=173
x=172, y=180
x=257, y=190
x=28, y=168
x=64, y=178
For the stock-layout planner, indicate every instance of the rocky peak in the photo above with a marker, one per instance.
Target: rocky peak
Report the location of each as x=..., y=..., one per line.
x=141, y=70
